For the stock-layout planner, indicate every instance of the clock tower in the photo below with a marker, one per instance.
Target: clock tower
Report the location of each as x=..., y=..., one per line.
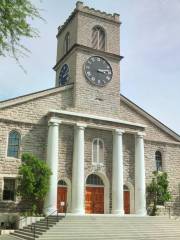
x=88, y=57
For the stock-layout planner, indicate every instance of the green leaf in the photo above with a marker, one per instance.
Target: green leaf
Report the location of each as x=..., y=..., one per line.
x=34, y=181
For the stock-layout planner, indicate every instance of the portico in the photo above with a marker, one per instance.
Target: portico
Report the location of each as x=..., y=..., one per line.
x=81, y=123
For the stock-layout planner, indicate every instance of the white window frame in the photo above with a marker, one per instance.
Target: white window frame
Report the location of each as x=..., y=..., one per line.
x=7, y=145
x=98, y=160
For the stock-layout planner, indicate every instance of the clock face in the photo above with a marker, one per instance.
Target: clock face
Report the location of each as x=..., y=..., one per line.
x=98, y=71
x=64, y=75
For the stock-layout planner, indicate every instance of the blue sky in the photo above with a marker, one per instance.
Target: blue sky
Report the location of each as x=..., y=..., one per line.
x=150, y=44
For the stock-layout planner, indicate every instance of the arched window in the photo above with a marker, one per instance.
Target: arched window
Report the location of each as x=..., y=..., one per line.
x=66, y=43
x=62, y=183
x=13, y=144
x=94, y=179
x=98, y=151
x=125, y=188
x=98, y=38
x=158, y=158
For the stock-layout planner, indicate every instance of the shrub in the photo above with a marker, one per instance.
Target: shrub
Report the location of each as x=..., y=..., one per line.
x=33, y=183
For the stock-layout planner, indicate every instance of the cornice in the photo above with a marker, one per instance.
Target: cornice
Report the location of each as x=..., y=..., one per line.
x=88, y=50
x=95, y=117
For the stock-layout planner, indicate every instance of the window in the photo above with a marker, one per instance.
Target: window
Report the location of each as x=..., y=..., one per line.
x=158, y=158
x=98, y=151
x=98, y=38
x=9, y=189
x=66, y=43
x=93, y=179
x=13, y=144
x=125, y=188
x=62, y=183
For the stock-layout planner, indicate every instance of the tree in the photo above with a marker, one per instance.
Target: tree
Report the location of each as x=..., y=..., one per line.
x=33, y=181
x=157, y=190
x=15, y=16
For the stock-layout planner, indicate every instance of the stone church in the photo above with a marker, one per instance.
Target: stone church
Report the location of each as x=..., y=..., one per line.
x=101, y=147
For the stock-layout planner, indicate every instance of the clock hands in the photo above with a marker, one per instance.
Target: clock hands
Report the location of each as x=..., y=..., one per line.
x=98, y=70
x=104, y=71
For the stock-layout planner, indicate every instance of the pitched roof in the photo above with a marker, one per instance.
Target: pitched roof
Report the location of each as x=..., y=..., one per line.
x=150, y=118
x=36, y=95
x=32, y=96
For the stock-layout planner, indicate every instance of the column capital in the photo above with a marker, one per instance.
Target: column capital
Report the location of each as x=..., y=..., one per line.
x=54, y=121
x=80, y=125
x=140, y=134
x=118, y=131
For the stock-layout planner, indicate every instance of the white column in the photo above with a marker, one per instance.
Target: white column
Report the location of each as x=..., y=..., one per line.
x=78, y=171
x=140, y=186
x=52, y=161
x=117, y=174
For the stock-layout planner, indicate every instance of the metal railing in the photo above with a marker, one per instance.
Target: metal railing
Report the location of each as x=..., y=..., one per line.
x=169, y=206
x=7, y=224
x=34, y=226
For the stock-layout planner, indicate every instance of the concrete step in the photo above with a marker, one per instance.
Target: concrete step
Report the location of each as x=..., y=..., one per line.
x=86, y=228
x=130, y=233
x=98, y=227
x=29, y=231
x=40, y=227
x=113, y=237
x=22, y=236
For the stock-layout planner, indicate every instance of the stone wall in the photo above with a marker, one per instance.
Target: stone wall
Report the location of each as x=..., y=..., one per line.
x=34, y=110
x=97, y=100
x=29, y=118
x=86, y=22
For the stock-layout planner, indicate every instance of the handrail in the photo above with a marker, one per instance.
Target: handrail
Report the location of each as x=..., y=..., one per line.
x=169, y=205
x=33, y=225
x=24, y=217
x=47, y=220
x=18, y=220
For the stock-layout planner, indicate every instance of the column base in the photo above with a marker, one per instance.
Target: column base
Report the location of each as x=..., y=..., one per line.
x=141, y=212
x=50, y=211
x=78, y=212
x=118, y=212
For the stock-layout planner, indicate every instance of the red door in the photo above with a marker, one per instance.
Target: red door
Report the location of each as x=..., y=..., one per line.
x=127, y=202
x=61, y=197
x=94, y=200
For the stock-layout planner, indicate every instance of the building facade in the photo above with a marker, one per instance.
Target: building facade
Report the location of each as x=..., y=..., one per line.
x=100, y=146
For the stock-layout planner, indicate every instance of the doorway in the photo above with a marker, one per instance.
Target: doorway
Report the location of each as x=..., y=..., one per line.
x=94, y=194
x=126, y=200
x=62, y=196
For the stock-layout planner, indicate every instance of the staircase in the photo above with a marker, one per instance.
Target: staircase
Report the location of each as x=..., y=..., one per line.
x=113, y=228
x=36, y=229
x=105, y=228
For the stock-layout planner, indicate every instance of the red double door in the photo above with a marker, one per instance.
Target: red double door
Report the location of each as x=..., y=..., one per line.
x=61, y=199
x=95, y=200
